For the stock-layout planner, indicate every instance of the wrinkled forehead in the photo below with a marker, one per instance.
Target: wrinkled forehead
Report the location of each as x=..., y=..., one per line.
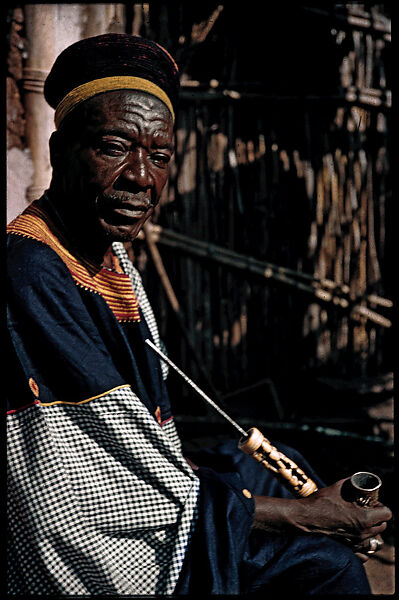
x=129, y=100
x=121, y=108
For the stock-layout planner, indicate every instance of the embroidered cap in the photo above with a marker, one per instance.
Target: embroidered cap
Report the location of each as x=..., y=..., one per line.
x=108, y=62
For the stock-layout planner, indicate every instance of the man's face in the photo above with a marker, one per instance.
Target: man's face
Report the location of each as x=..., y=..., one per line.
x=114, y=171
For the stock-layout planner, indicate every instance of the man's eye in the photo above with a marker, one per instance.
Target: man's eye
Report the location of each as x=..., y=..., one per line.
x=160, y=158
x=112, y=148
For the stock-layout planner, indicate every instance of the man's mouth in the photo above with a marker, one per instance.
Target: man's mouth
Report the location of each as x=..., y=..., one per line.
x=131, y=212
x=116, y=211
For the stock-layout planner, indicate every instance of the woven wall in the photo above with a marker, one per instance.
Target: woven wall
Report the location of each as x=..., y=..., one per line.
x=282, y=156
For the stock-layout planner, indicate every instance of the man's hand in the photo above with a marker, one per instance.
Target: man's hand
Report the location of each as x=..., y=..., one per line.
x=325, y=512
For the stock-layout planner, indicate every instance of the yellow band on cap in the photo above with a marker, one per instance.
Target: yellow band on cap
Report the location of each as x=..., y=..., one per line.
x=107, y=84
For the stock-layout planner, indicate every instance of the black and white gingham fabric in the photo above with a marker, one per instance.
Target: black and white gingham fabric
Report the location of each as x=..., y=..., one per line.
x=170, y=429
x=101, y=500
x=135, y=278
x=137, y=284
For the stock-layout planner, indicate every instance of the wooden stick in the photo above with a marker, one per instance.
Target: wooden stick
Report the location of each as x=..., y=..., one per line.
x=201, y=30
x=267, y=270
x=156, y=257
x=374, y=299
x=172, y=238
x=372, y=315
x=368, y=97
x=366, y=21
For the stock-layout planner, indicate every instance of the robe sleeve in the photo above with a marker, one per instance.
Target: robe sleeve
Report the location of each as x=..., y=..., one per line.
x=52, y=332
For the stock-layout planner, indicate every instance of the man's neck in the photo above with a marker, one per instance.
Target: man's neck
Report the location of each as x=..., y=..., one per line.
x=108, y=261
x=89, y=242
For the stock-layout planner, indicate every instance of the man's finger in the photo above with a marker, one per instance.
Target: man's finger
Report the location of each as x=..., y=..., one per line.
x=377, y=515
x=363, y=557
x=373, y=531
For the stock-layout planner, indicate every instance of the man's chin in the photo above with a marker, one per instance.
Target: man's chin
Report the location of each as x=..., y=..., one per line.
x=121, y=233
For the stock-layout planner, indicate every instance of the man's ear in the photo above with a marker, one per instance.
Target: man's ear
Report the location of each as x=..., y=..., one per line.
x=58, y=144
x=55, y=149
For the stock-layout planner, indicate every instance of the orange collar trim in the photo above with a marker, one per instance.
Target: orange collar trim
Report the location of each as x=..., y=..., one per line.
x=114, y=287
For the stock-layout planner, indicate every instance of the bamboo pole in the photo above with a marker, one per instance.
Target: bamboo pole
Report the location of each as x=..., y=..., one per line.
x=202, y=248
x=374, y=274
x=266, y=270
x=378, y=24
x=353, y=95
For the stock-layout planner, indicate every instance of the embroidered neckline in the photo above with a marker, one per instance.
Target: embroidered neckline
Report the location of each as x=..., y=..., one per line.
x=114, y=286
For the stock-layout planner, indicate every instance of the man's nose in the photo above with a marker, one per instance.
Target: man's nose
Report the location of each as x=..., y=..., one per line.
x=136, y=172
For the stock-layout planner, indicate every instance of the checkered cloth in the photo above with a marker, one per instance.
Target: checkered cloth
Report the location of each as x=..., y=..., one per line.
x=101, y=499
x=135, y=277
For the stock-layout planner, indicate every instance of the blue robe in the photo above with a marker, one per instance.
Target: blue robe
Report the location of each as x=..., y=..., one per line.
x=97, y=479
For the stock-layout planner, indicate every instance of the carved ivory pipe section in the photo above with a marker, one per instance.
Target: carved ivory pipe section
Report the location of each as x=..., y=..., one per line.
x=259, y=447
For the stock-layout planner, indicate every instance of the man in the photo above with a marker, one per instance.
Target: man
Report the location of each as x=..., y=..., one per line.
x=101, y=499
